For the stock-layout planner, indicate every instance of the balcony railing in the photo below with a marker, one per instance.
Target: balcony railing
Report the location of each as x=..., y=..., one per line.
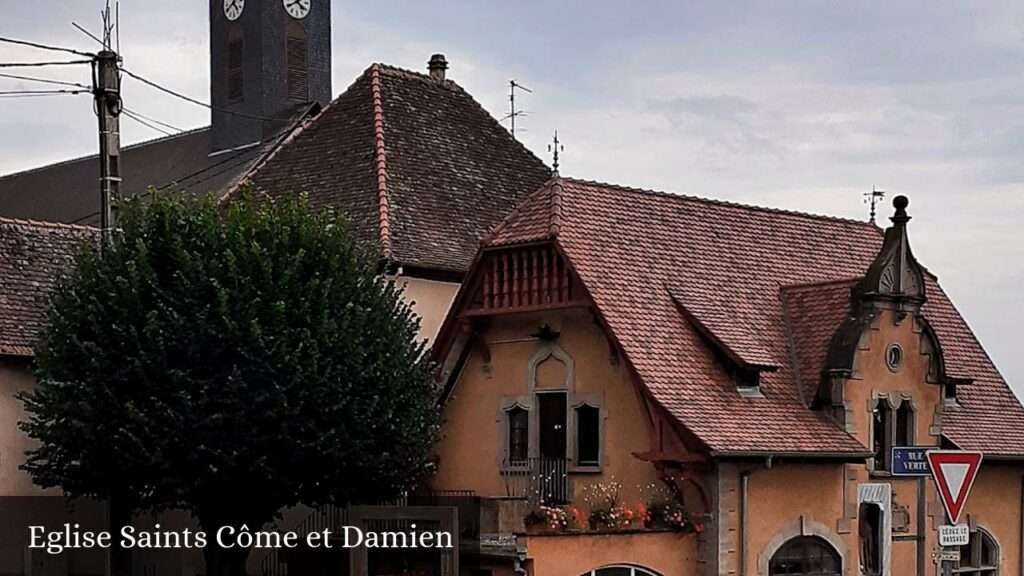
x=539, y=480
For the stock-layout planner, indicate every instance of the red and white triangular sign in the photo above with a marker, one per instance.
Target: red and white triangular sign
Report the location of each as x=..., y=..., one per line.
x=954, y=472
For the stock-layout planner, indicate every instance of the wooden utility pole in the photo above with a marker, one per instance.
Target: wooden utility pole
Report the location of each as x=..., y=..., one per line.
x=107, y=91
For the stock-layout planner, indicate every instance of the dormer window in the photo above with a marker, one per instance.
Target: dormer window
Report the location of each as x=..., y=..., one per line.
x=747, y=379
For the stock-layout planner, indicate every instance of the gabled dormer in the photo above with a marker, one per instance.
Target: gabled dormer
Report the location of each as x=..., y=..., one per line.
x=884, y=377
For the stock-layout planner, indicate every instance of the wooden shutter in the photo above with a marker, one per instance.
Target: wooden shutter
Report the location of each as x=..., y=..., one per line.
x=297, y=62
x=236, y=64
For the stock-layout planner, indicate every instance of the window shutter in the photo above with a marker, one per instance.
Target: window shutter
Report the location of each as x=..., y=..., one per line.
x=236, y=64
x=298, y=67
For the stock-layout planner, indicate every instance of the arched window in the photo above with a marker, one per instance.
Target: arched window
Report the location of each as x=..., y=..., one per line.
x=806, y=556
x=621, y=570
x=905, y=424
x=881, y=433
x=980, y=557
x=235, y=63
x=518, y=436
x=298, y=66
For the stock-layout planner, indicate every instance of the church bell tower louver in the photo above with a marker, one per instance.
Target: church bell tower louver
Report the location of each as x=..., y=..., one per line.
x=268, y=60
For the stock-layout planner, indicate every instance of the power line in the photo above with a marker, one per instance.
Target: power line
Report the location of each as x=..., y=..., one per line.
x=131, y=116
x=154, y=120
x=45, y=47
x=37, y=64
x=198, y=102
x=41, y=92
x=44, y=80
x=7, y=96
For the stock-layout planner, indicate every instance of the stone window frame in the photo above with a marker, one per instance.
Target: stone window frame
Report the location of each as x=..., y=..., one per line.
x=574, y=400
x=895, y=400
x=879, y=494
x=804, y=526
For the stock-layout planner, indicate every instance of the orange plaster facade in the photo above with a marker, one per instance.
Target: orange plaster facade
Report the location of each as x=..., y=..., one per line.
x=759, y=504
x=785, y=500
x=471, y=453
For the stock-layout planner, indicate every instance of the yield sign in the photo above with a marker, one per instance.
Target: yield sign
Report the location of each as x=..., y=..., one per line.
x=954, y=472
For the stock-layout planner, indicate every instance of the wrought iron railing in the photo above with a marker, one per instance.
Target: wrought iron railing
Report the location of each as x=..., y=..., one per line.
x=539, y=480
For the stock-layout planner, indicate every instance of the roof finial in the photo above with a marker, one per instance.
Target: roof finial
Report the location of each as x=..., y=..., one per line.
x=555, y=147
x=873, y=198
x=900, y=204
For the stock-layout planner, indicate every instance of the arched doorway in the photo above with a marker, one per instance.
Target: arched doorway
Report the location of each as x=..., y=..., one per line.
x=806, y=556
x=621, y=570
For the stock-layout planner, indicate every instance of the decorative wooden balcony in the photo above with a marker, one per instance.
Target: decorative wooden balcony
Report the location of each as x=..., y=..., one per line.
x=524, y=279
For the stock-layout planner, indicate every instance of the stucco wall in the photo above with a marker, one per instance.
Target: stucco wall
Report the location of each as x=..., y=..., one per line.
x=790, y=499
x=470, y=447
x=665, y=553
x=15, y=376
x=430, y=300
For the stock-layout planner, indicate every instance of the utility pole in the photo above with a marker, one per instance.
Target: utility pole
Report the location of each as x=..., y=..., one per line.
x=107, y=91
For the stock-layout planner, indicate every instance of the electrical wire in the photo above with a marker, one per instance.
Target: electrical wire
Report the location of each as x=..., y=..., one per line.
x=38, y=94
x=44, y=80
x=131, y=116
x=153, y=120
x=41, y=92
x=46, y=47
x=37, y=64
x=199, y=102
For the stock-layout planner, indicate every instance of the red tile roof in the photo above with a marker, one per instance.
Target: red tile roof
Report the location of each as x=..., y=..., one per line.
x=813, y=312
x=418, y=165
x=33, y=255
x=639, y=252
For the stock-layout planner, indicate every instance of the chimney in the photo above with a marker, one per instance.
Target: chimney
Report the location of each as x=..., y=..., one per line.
x=437, y=66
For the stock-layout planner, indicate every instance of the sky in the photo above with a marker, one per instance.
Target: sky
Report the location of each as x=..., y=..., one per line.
x=804, y=105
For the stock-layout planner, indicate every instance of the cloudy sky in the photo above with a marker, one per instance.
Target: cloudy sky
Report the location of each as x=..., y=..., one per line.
x=798, y=104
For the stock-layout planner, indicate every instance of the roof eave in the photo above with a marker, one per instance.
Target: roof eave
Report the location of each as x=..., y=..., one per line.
x=772, y=454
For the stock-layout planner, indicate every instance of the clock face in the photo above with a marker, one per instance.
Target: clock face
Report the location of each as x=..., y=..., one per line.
x=297, y=8
x=233, y=9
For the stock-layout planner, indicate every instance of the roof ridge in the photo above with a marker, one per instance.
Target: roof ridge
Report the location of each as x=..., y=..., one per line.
x=715, y=201
x=819, y=283
x=527, y=200
x=383, y=203
x=89, y=156
x=27, y=222
x=286, y=137
x=452, y=84
x=555, y=224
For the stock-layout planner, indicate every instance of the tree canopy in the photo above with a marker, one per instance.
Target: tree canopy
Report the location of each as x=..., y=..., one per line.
x=230, y=361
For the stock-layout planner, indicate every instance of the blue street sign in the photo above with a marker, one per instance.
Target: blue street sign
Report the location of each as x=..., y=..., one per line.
x=910, y=461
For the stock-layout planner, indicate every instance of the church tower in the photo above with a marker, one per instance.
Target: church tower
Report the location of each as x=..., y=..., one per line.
x=268, y=60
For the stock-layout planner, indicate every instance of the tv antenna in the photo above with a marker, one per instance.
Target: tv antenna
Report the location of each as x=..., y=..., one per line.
x=513, y=112
x=873, y=198
x=555, y=147
x=111, y=22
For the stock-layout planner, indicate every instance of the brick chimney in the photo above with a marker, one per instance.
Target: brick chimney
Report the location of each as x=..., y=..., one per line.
x=437, y=67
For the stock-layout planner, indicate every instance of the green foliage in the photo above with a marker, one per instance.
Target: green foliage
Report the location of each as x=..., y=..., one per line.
x=231, y=362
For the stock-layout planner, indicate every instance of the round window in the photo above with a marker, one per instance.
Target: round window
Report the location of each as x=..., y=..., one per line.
x=894, y=357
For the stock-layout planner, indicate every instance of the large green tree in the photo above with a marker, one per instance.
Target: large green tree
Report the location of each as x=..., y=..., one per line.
x=230, y=362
